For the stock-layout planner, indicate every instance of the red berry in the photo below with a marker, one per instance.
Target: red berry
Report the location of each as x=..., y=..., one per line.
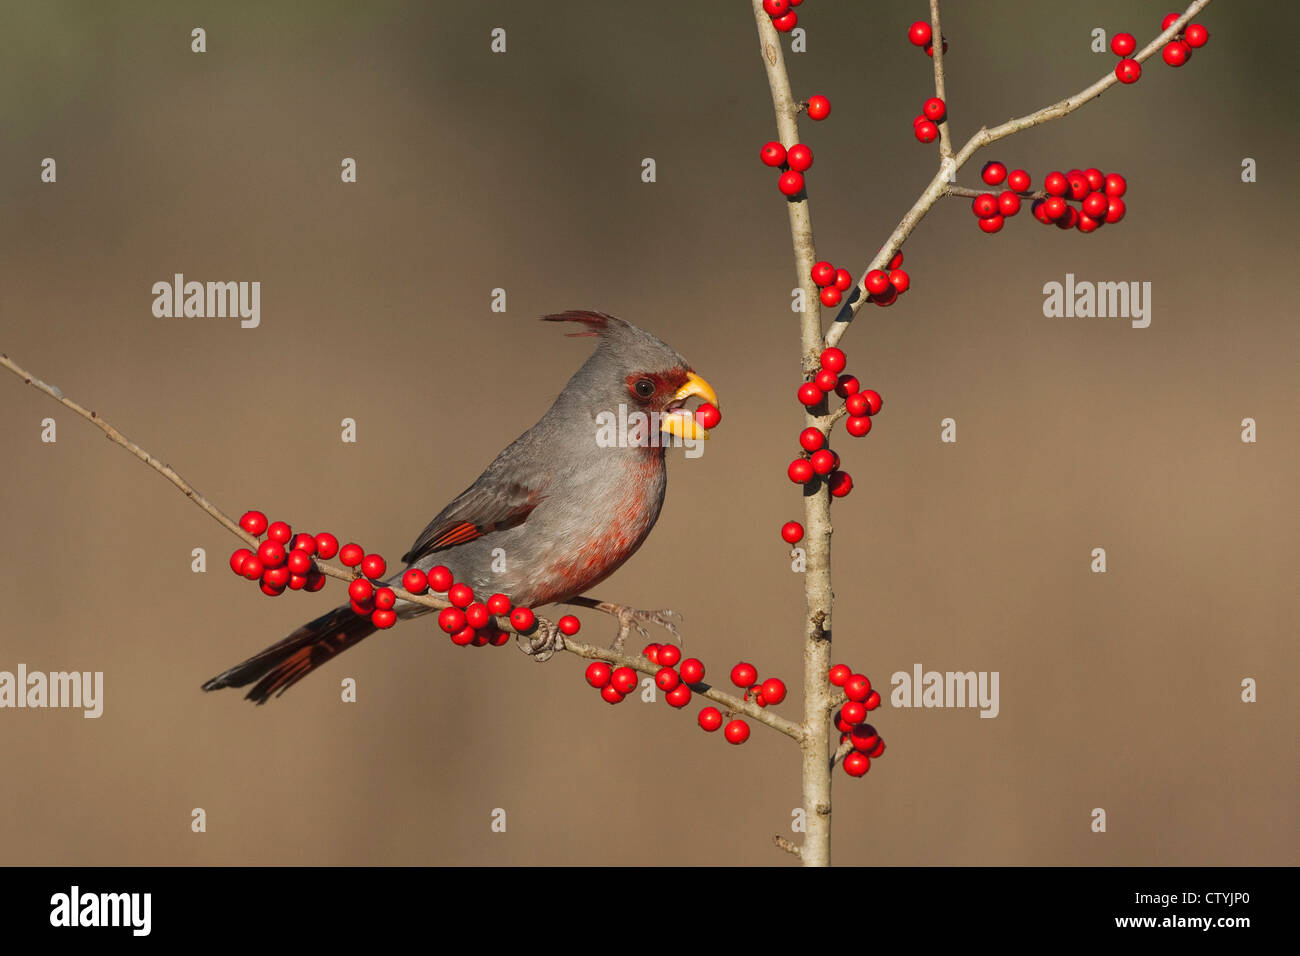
x=772, y=154
x=743, y=674
x=679, y=696
x=279, y=531
x=1096, y=181
x=710, y=719
x=669, y=655
x=839, y=674
x=994, y=173
x=568, y=625
x=451, y=619
x=651, y=653
x=811, y=439
x=326, y=545
x=1115, y=209
x=1008, y=203
x=297, y=582
x=773, y=690
x=856, y=764
x=897, y=261
x=857, y=687
x=872, y=701
x=499, y=604
x=823, y=274
x=858, y=404
x=878, y=750
x=1122, y=44
x=919, y=33
x=254, y=522
x=1069, y=220
x=270, y=590
x=415, y=581
x=926, y=131
x=790, y=183
x=992, y=224
x=825, y=380
x=1196, y=35
x=1055, y=208
x=823, y=462
x=252, y=568
x=886, y=298
x=755, y=694
x=1128, y=71
x=271, y=553
x=792, y=532
x=1176, y=53
x=776, y=8
x=876, y=282
x=843, y=282
x=929, y=47
x=857, y=425
x=1088, y=223
x=737, y=732
x=692, y=670
x=383, y=618
x=809, y=394
x=800, y=471
x=1079, y=187
x=315, y=581
x=1115, y=185
x=1095, y=205
x=239, y=557
x=303, y=542
x=476, y=615
x=864, y=738
x=900, y=280
x=351, y=555
x=460, y=595
x=840, y=723
x=298, y=561
x=799, y=157
x=276, y=577
x=830, y=296
x=840, y=483
x=1018, y=180
x=667, y=678
x=440, y=578
x=361, y=590
x=985, y=205
x=1168, y=21
x=610, y=693
x=853, y=713
x=598, y=674
x=522, y=619
x=1056, y=184
x=623, y=679
x=874, y=402
x=849, y=384
x=1040, y=211
x=708, y=416
x=934, y=109
x=373, y=566
x=786, y=23
x=819, y=107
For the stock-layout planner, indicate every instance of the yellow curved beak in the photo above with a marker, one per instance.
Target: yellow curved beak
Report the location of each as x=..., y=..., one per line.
x=682, y=422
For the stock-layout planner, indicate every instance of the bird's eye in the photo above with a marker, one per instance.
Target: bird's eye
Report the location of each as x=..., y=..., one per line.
x=644, y=387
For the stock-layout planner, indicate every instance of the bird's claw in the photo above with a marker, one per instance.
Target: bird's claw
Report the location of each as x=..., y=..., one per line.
x=629, y=618
x=542, y=644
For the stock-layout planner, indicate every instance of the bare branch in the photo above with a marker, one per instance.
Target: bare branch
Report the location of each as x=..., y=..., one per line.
x=784, y=844
x=936, y=46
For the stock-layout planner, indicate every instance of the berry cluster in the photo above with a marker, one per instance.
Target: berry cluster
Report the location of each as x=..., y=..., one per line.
x=782, y=13
x=920, y=34
x=794, y=162
x=1097, y=193
x=1176, y=52
x=926, y=125
x=883, y=286
x=820, y=461
x=850, y=720
x=285, y=560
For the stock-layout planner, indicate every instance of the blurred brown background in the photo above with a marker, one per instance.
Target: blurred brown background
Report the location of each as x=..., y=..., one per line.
x=522, y=170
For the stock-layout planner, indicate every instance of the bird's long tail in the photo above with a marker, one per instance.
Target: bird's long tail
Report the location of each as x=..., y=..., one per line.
x=282, y=665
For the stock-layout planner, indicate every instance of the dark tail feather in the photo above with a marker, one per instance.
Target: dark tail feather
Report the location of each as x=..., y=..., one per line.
x=282, y=665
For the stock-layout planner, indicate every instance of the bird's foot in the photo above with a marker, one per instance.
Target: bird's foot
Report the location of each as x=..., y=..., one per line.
x=630, y=617
x=542, y=644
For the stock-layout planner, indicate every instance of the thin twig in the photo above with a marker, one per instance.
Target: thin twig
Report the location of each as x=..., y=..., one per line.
x=936, y=47
x=784, y=844
x=987, y=135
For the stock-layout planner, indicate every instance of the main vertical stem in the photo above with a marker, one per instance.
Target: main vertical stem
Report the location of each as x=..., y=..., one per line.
x=816, y=774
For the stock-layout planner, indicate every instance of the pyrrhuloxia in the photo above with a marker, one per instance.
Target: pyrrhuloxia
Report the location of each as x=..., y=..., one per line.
x=565, y=511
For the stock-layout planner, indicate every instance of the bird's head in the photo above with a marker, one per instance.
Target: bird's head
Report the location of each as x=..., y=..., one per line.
x=630, y=366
